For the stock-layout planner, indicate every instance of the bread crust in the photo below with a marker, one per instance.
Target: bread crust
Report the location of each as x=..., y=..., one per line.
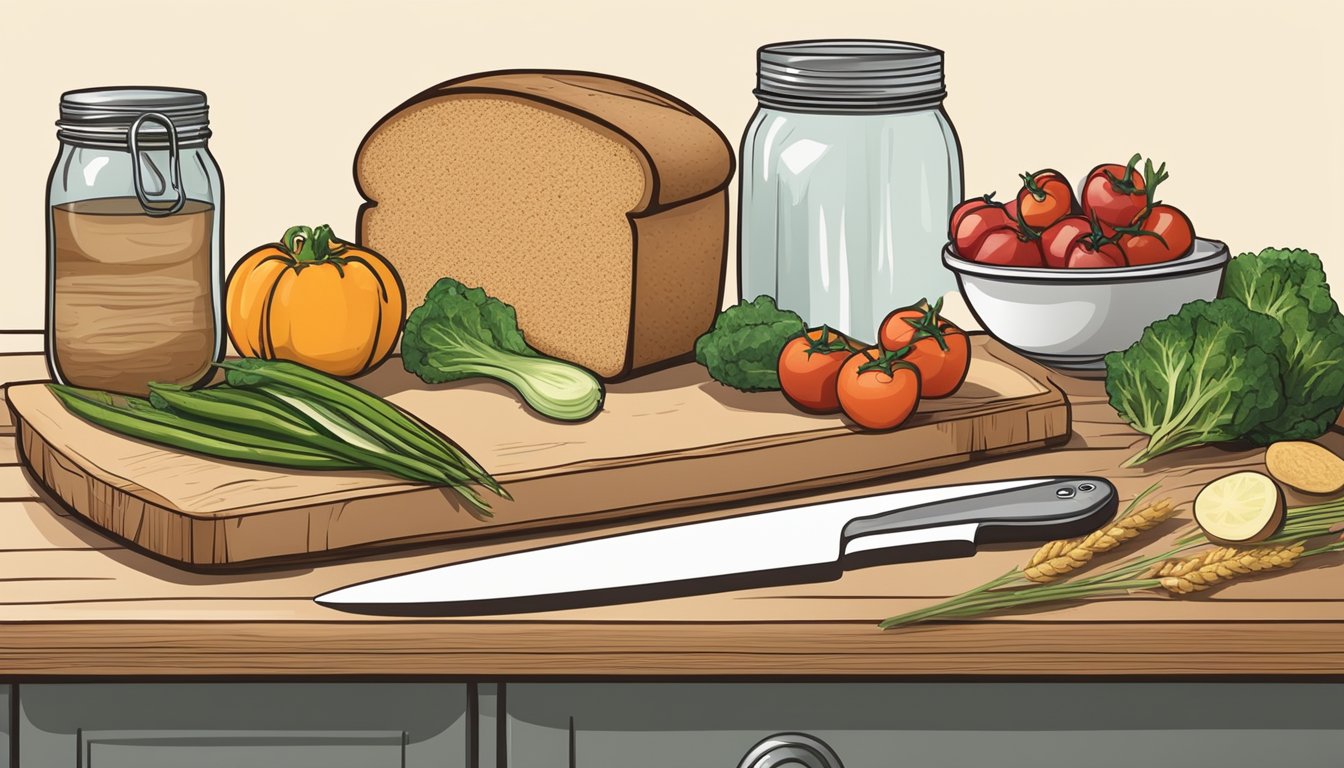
x=687, y=156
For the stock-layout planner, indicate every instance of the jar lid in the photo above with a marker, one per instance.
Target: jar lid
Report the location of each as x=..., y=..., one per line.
x=102, y=117
x=850, y=76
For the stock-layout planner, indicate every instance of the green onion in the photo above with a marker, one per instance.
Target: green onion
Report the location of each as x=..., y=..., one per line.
x=342, y=441
x=344, y=434
x=279, y=413
x=145, y=423
x=388, y=423
x=201, y=405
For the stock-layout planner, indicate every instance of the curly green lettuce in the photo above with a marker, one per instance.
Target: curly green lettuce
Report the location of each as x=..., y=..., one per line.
x=742, y=349
x=1209, y=373
x=1290, y=286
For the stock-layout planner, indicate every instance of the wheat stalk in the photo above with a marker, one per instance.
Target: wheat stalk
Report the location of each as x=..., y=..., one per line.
x=1187, y=575
x=1198, y=573
x=1064, y=555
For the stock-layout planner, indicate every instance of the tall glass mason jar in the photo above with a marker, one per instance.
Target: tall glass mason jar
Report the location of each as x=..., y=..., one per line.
x=850, y=170
x=134, y=241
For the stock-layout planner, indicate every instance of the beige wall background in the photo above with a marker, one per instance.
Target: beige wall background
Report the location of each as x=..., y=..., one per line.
x=1242, y=99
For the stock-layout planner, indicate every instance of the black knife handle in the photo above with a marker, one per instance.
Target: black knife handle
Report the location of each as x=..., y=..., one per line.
x=1054, y=508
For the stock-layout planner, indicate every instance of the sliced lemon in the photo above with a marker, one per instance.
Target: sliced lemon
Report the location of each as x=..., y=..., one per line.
x=1240, y=508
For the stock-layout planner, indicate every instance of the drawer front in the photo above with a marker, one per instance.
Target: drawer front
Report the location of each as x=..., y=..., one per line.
x=919, y=725
x=224, y=749
x=228, y=725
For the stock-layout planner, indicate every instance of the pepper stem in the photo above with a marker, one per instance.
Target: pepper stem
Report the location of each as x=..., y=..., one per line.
x=297, y=242
x=306, y=244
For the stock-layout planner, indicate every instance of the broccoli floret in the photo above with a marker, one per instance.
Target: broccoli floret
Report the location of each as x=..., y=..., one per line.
x=462, y=333
x=742, y=350
x=1209, y=373
x=1290, y=286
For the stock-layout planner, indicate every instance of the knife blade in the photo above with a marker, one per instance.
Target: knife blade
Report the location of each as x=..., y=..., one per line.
x=816, y=542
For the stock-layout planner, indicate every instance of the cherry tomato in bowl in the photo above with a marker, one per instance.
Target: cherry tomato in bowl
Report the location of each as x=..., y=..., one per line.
x=1164, y=234
x=1086, y=255
x=1044, y=199
x=1075, y=243
x=1060, y=236
x=1115, y=195
x=973, y=220
x=877, y=389
x=809, y=365
x=1007, y=247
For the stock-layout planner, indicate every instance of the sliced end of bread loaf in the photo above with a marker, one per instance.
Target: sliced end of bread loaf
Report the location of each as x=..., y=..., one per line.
x=593, y=204
x=527, y=201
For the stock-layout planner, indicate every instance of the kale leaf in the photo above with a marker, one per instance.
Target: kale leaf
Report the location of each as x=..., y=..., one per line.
x=1290, y=286
x=1209, y=373
x=742, y=350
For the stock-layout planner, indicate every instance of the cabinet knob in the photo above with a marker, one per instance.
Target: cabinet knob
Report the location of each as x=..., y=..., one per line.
x=791, y=749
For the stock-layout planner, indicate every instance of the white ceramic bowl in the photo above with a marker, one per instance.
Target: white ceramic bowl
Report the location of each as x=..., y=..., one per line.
x=1071, y=318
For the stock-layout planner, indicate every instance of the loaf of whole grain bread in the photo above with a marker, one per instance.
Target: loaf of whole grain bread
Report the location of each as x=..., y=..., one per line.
x=596, y=206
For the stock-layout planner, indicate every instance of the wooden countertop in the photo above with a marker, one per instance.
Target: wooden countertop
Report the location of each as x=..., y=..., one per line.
x=74, y=603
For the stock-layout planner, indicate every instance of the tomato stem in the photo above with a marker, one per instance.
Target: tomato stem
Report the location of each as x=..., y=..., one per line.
x=884, y=362
x=1125, y=186
x=1036, y=190
x=1151, y=179
x=927, y=326
x=1025, y=232
x=1097, y=238
x=829, y=341
x=1136, y=230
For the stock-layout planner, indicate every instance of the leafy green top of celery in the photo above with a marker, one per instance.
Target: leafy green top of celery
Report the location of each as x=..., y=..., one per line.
x=462, y=333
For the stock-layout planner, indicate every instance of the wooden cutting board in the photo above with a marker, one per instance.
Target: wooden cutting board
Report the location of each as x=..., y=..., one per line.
x=667, y=442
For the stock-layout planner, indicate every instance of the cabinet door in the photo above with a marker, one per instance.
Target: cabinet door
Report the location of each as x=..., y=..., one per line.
x=6, y=697
x=228, y=725
x=922, y=725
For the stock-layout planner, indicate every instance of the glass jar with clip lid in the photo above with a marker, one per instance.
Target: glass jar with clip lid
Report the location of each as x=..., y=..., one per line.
x=134, y=241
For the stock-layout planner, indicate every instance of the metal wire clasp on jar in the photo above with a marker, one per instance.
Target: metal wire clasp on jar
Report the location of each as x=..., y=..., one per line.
x=134, y=241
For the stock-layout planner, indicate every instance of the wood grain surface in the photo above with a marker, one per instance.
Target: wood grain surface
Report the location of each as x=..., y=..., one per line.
x=663, y=443
x=74, y=602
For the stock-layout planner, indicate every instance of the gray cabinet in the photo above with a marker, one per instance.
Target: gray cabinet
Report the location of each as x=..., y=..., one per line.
x=6, y=695
x=671, y=725
x=232, y=725
x=922, y=725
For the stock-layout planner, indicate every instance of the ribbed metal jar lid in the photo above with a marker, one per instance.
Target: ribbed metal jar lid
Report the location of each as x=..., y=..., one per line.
x=102, y=117
x=850, y=76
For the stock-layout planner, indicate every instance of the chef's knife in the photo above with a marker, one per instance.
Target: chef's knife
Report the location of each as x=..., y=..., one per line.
x=804, y=544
